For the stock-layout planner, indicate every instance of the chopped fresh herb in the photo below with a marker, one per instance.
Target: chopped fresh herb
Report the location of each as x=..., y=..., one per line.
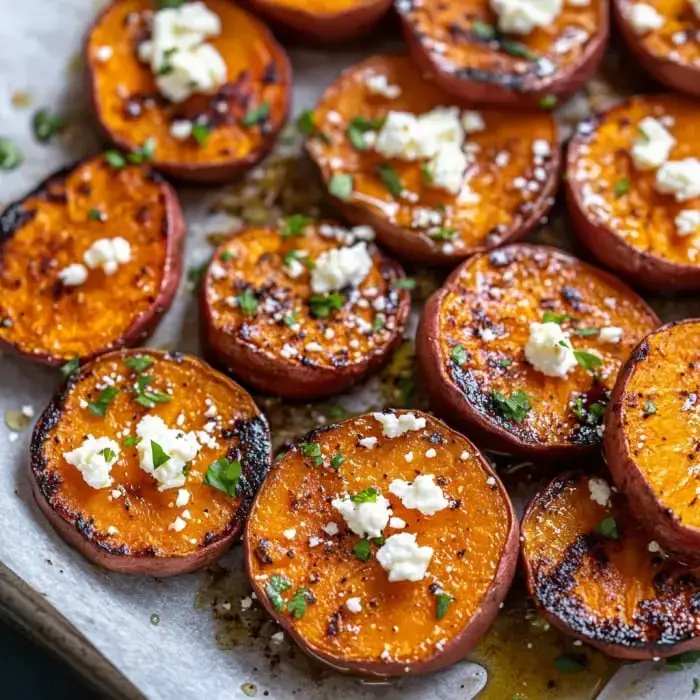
x=362, y=550
x=505, y=362
x=164, y=4
x=548, y=102
x=96, y=215
x=587, y=360
x=274, y=589
x=149, y=397
x=99, y=407
x=195, y=274
x=201, y=133
x=295, y=225
x=337, y=460
x=72, y=366
x=140, y=363
x=427, y=173
x=621, y=187
x=458, y=355
x=649, y=407
x=378, y=323
x=676, y=662
x=390, y=179
x=167, y=67
x=247, y=302
x=407, y=283
x=341, y=186
x=306, y=122
x=593, y=415
x=313, y=450
x=365, y=124
x=291, y=319
x=294, y=255
x=257, y=114
x=109, y=454
x=443, y=601
x=443, y=234
x=518, y=50
x=322, y=305
x=159, y=455
x=608, y=528
x=585, y=332
x=115, y=159
x=484, y=30
x=131, y=441
x=227, y=256
x=514, y=408
x=143, y=154
x=224, y=474
x=551, y=317
x=696, y=686
x=357, y=128
x=46, y=125
x=369, y=495
x=571, y=663
x=10, y=156
x=297, y=605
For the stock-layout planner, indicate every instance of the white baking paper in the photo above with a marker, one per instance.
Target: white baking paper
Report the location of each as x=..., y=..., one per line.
x=189, y=653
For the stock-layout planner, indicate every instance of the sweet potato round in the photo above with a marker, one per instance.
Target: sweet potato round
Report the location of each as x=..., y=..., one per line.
x=651, y=434
x=673, y=61
x=143, y=542
x=324, y=21
x=458, y=45
x=131, y=110
x=634, y=232
x=397, y=632
x=622, y=596
x=52, y=227
x=512, y=180
x=281, y=347
x=486, y=307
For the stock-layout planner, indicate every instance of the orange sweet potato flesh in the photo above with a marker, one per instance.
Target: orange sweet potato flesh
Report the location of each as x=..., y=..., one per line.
x=486, y=306
x=324, y=21
x=281, y=347
x=671, y=53
x=141, y=514
x=500, y=210
x=634, y=233
x=652, y=434
x=131, y=110
x=452, y=41
x=53, y=227
x=621, y=595
x=397, y=631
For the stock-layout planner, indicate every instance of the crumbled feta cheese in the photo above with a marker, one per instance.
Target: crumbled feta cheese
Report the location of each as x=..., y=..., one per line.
x=366, y=519
x=464, y=456
x=394, y=426
x=314, y=542
x=545, y=352
x=472, y=122
x=73, y=275
x=654, y=145
x=108, y=253
x=600, y=491
x=680, y=178
x=397, y=523
x=294, y=267
x=90, y=459
x=399, y=137
x=408, y=456
x=180, y=447
x=610, y=334
x=431, y=453
x=331, y=529
x=368, y=442
x=104, y=53
x=403, y=559
x=643, y=18
x=378, y=84
x=181, y=129
x=178, y=525
x=186, y=514
x=541, y=148
x=111, y=531
x=288, y=351
x=687, y=222
x=423, y=494
x=654, y=547
x=446, y=169
x=341, y=267
x=354, y=605
x=183, y=498
x=523, y=16
x=314, y=347
x=290, y=533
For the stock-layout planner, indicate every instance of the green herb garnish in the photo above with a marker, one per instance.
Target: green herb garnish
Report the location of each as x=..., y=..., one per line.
x=362, y=550
x=484, y=30
x=586, y=332
x=514, y=408
x=518, y=50
x=72, y=366
x=291, y=319
x=149, y=397
x=96, y=215
x=390, y=179
x=274, y=589
x=257, y=115
x=201, y=133
x=608, y=528
x=313, y=450
x=224, y=474
x=458, y=355
x=10, y=156
x=587, y=360
x=143, y=154
x=548, y=102
x=369, y=495
x=132, y=441
x=322, y=305
x=551, y=317
x=46, y=125
x=337, y=460
x=443, y=601
x=295, y=225
x=378, y=323
x=140, y=363
x=444, y=234
x=407, y=283
x=108, y=453
x=341, y=185
x=115, y=159
x=159, y=455
x=297, y=605
x=99, y=407
x=247, y=302
x=621, y=187
x=357, y=128
x=649, y=407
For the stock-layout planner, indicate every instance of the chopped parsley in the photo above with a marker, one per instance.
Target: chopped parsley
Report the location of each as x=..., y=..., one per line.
x=295, y=226
x=149, y=397
x=369, y=495
x=548, y=102
x=390, y=179
x=115, y=159
x=362, y=550
x=621, y=187
x=201, y=133
x=322, y=305
x=443, y=234
x=341, y=185
x=551, y=317
x=291, y=319
x=257, y=114
x=518, y=50
x=587, y=360
x=442, y=602
x=70, y=367
x=378, y=323
x=407, y=283
x=297, y=605
x=227, y=256
x=99, y=407
x=337, y=460
x=96, y=215
x=649, y=407
x=357, y=128
x=306, y=124
x=143, y=154
x=132, y=441
x=247, y=302
x=159, y=455
x=484, y=30
x=505, y=362
x=45, y=125
x=426, y=173
x=593, y=415
x=586, y=332
x=140, y=363
x=108, y=453
x=514, y=408
x=164, y=4
x=274, y=589
x=294, y=255
x=571, y=663
x=224, y=474
x=608, y=528
x=458, y=355
x=696, y=686
x=167, y=67
x=10, y=156
x=313, y=450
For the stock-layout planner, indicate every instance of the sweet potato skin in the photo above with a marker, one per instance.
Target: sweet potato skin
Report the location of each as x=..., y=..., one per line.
x=650, y=256
x=654, y=51
x=186, y=160
x=78, y=513
x=503, y=529
x=250, y=347
x=558, y=535
x=669, y=351
x=326, y=25
x=465, y=405
x=499, y=213
x=497, y=83
x=155, y=208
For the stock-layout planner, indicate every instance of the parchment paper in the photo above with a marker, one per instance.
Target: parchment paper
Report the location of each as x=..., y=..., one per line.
x=188, y=653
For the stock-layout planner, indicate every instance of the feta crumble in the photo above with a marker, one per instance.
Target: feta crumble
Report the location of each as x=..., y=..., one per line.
x=472, y=122
x=680, y=178
x=423, y=494
x=108, y=253
x=181, y=129
x=523, y=16
x=545, y=352
x=368, y=442
x=366, y=519
x=90, y=460
x=644, y=18
x=600, y=491
x=341, y=267
x=73, y=275
x=354, y=605
x=378, y=84
x=610, y=334
x=394, y=426
x=653, y=146
x=687, y=222
x=403, y=559
x=183, y=498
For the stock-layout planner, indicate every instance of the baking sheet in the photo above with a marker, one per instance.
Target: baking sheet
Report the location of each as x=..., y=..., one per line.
x=161, y=634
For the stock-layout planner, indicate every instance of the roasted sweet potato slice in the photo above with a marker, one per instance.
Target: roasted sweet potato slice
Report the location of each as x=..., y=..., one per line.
x=459, y=44
x=419, y=593
x=649, y=236
x=147, y=462
x=89, y=261
x=304, y=310
x=595, y=574
x=509, y=176
x=652, y=434
x=663, y=37
x=323, y=20
x=487, y=367
x=207, y=137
